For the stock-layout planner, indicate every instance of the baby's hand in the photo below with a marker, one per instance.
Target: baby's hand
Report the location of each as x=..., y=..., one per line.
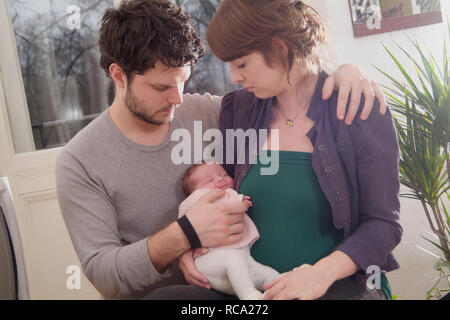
x=247, y=198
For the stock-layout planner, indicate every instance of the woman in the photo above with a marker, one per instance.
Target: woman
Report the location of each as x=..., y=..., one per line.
x=335, y=196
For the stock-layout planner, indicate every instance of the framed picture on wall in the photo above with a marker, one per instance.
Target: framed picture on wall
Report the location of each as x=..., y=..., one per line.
x=379, y=16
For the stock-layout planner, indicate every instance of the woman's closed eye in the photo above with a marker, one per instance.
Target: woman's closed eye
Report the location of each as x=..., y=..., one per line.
x=241, y=66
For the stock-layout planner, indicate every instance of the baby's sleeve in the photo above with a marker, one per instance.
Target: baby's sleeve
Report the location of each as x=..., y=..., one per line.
x=189, y=202
x=232, y=196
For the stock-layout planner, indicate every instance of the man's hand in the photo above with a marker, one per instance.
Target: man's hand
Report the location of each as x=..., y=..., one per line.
x=349, y=79
x=215, y=224
x=190, y=272
x=218, y=224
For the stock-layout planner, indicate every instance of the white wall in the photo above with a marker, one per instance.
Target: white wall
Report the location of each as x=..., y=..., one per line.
x=415, y=276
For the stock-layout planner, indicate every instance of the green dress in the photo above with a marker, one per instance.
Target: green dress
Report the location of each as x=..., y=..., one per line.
x=292, y=214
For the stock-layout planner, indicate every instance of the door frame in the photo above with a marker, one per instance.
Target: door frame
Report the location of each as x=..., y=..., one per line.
x=31, y=176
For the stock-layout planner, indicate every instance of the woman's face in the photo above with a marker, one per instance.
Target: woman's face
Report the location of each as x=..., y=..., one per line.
x=253, y=73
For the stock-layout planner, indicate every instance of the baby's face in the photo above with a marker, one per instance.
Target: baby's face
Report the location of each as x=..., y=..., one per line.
x=211, y=176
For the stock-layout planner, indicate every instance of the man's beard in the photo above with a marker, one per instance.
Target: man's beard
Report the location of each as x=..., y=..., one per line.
x=137, y=108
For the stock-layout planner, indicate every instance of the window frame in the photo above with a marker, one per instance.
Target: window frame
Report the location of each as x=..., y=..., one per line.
x=13, y=86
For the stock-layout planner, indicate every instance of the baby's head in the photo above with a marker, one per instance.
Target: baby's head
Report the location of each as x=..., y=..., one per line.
x=206, y=175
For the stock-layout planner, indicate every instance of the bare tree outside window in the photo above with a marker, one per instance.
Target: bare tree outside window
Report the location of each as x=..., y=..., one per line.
x=57, y=44
x=58, y=52
x=210, y=74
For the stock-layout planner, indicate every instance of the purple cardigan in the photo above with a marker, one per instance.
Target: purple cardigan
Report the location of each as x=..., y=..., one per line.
x=357, y=168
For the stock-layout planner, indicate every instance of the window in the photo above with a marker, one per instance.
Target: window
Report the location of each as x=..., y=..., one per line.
x=65, y=88
x=210, y=74
x=59, y=60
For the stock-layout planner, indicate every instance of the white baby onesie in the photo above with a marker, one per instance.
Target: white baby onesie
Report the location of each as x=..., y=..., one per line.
x=231, y=269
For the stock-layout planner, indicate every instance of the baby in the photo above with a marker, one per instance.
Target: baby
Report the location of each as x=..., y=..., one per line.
x=229, y=269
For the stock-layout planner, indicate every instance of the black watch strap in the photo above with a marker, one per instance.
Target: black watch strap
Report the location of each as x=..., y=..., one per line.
x=190, y=233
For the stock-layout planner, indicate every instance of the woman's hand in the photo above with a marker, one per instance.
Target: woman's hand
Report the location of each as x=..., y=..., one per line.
x=349, y=79
x=187, y=266
x=304, y=283
x=311, y=282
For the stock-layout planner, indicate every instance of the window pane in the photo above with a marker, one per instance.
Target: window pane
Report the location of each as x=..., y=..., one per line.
x=59, y=58
x=210, y=74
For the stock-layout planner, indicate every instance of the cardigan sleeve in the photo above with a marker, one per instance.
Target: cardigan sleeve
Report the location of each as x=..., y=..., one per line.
x=377, y=164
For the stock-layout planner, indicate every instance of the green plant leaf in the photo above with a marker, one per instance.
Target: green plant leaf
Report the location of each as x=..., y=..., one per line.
x=442, y=264
x=420, y=103
x=437, y=245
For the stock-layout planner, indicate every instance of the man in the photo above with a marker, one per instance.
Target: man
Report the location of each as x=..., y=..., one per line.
x=117, y=186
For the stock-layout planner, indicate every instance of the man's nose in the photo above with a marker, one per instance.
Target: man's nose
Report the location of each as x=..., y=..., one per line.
x=176, y=95
x=236, y=76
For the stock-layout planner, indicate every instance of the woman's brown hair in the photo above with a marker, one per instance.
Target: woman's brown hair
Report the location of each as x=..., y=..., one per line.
x=240, y=27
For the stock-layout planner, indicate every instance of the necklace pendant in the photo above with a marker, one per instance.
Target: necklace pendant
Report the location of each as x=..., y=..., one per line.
x=289, y=123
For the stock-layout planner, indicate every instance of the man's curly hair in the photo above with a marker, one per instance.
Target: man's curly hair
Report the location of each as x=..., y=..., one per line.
x=141, y=32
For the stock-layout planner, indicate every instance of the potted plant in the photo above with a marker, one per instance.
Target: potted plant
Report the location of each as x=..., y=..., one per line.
x=421, y=102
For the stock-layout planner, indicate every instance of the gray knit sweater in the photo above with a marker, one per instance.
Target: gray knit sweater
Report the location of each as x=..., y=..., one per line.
x=114, y=194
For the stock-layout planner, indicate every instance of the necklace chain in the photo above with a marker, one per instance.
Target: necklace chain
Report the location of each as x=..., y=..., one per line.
x=290, y=121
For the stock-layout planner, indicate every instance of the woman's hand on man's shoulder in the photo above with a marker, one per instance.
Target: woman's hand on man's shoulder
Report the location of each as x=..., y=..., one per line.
x=353, y=84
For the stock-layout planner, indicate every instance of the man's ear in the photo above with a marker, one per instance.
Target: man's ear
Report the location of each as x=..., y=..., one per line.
x=118, y=76
x=280, y=46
